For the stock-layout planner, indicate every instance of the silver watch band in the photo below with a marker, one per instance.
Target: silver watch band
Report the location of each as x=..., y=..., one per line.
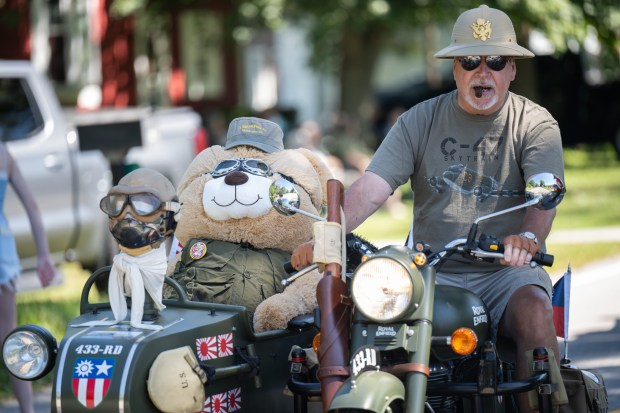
x=529, y=235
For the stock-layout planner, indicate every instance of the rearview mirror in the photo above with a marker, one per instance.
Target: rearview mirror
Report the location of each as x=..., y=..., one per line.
x=548, y=188
x=284, y=197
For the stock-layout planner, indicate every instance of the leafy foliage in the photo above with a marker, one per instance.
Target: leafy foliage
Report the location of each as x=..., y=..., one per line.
x=347, y=35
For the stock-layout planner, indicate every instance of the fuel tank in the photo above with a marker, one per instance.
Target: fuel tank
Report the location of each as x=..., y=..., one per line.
x=457, y=307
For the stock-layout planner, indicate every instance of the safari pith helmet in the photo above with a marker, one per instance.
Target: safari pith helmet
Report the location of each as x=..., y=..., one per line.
x=483, y=31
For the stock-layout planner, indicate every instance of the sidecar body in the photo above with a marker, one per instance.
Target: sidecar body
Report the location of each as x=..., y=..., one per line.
x=106, y=368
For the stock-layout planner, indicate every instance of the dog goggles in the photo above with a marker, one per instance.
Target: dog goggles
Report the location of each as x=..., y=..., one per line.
x=252, y=166
x=496, y=63
x=142, y=204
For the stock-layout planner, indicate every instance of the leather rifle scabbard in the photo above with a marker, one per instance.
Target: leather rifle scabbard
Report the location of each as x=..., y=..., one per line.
x=335, y=312
x=335, y=323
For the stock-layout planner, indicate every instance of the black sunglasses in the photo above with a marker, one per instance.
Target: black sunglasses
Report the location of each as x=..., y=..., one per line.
x=496, y=63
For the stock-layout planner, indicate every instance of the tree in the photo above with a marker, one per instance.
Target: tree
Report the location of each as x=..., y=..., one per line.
x=348, y=36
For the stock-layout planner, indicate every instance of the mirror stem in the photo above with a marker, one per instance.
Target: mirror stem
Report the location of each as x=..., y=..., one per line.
x=291, y=208
x=531, y=202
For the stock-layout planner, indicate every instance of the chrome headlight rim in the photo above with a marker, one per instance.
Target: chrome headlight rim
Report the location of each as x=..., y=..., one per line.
x=402, y=258
x=47, y=341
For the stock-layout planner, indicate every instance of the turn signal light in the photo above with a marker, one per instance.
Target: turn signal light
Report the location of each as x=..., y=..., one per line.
x=463, y=341
x=419, y=259
x=316, y=343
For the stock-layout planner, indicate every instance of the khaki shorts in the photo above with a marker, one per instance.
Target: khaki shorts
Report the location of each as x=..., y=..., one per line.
x=496, y=288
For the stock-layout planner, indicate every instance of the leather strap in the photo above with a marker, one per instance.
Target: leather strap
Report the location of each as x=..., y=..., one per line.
x=402, y=369
x=333, y=371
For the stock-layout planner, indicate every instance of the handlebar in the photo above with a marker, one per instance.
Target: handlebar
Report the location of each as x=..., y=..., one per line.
x=491, y=245
x=484, y=247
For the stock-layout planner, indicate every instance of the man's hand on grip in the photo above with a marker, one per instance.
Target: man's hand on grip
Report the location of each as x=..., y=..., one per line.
x=518, y=250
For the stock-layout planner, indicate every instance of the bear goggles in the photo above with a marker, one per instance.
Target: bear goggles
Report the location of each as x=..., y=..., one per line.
x=249, y=165
x=142, y=204
x=495, y=63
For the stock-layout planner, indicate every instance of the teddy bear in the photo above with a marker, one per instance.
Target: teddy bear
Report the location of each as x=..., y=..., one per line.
x=234, y=243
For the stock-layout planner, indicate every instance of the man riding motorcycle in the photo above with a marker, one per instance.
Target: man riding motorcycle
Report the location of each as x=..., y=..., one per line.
x=498, y=135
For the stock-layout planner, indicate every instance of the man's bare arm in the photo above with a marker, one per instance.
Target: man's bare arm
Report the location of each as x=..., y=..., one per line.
x=363, y=198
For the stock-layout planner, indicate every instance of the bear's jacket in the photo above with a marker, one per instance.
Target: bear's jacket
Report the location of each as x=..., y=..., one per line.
x=230, y=273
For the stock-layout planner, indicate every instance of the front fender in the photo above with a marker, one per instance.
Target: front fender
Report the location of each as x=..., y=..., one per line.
x=372, y=391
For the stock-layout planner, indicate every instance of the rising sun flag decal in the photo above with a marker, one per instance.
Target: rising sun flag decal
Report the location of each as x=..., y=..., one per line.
x=229, y=401
x=209, y=348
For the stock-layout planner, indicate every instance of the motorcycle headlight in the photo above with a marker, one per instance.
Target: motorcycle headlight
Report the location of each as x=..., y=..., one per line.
x=29, y=352
x=387, y=286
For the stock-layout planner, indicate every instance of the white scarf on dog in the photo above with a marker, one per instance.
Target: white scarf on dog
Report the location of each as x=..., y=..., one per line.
x=129, y=277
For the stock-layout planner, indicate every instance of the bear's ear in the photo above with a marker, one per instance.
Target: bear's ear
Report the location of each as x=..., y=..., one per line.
x=203, y=163
x=307, y=169
x=324, y=173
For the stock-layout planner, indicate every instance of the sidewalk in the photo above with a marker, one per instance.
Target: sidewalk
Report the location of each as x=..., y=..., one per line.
x=574, y=236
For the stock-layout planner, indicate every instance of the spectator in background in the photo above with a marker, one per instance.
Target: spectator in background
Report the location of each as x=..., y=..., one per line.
x=10, y=268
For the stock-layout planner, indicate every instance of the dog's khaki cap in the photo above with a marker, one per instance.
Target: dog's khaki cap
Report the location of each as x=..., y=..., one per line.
x=256, y=132
x=483, y=32
x=145, y=180
x=176, y=382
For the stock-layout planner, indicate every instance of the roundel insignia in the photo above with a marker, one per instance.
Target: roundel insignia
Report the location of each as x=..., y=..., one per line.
x=198, y=250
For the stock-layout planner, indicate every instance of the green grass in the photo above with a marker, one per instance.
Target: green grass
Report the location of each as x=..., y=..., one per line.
x=592, y=199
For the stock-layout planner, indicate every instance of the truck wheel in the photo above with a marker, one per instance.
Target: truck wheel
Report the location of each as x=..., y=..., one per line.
x=616, y=141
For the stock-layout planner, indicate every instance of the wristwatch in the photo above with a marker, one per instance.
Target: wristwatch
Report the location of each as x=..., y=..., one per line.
x=530, y=235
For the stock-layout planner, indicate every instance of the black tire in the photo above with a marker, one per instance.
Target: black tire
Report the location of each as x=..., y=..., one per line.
x=616, y=142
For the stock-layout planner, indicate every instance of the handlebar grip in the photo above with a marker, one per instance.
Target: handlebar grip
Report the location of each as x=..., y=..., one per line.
x=288, y=267
x=543, y=259
x=491, y=244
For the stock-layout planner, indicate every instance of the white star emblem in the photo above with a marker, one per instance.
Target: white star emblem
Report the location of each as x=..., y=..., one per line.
x=103, y=368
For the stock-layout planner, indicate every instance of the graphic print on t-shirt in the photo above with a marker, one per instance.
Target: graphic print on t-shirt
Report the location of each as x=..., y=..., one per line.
x=458, y=177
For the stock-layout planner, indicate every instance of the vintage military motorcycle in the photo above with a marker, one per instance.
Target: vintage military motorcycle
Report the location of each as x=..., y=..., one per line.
x=408, y=345
x=393, y=341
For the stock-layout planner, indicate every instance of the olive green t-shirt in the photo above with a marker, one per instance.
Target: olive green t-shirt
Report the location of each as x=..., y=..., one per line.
x=462, y=166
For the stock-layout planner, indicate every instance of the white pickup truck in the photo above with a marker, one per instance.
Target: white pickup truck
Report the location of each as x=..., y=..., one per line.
x=70, y=162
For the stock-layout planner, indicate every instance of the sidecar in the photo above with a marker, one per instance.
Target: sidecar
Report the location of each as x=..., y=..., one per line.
x=106, y=368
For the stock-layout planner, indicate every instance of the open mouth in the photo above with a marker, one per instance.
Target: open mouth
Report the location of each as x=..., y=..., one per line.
x=481, y=91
